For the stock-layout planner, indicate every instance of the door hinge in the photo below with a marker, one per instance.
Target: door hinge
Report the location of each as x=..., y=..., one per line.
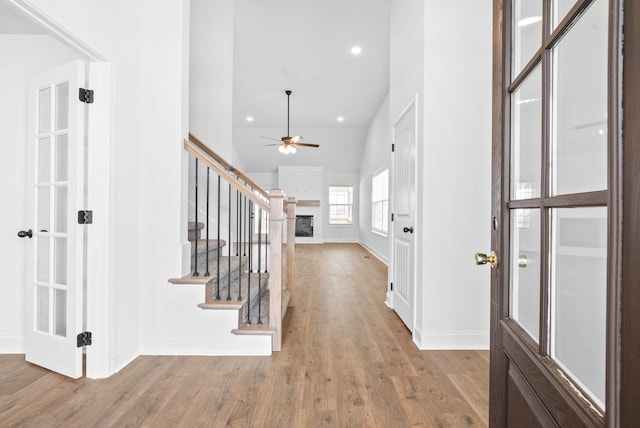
x=85, y=217
x=393, y=147
x=85, y=95
x=391, y=286
x=84, y=339
x=391, y=216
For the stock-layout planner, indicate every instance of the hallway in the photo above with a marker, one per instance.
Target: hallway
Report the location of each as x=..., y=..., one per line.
x=346, y=361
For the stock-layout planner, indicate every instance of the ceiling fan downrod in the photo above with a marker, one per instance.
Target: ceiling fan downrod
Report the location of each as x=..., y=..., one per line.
x=288, y=92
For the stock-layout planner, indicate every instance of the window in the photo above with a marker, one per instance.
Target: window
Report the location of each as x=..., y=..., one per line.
x=341, y=205
x=380, y=202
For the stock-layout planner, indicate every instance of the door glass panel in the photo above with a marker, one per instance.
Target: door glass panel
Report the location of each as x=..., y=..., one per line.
x=61, y=209
x=526, y=137
x=42, y=309
x=560, y=8
x=42, y=269
x=579, y=296
x=62, y=106
x=527, y=32
x=44, y=207
x=62, y=157
x=44, y=110
x=44, y=163
x=579, y=118
x=60, y=261
x=60, y=312
x=524, y=287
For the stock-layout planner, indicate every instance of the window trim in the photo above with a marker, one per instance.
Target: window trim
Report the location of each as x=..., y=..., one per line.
x=384, y=233
x=329, y=205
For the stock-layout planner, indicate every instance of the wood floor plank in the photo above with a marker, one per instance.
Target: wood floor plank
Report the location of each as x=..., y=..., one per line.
x=347, y=360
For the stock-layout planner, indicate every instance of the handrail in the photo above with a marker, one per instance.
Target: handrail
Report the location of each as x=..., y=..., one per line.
x=226, y=165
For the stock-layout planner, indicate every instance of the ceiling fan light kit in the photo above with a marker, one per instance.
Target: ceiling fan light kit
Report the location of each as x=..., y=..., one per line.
x=288, y=144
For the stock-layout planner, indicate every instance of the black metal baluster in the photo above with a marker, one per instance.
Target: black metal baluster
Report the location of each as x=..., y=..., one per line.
x=229, y=249
x=267, y=238
x=195, y=267
x=237, y=220
x=207, y=273
x=218, y=247
x=259, y=265
x=239, y=243
x=249, y=231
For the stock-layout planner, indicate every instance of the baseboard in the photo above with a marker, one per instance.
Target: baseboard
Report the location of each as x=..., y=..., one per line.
x=243, y=345
x=451, y=340
x=375, y=253
x=12, y=344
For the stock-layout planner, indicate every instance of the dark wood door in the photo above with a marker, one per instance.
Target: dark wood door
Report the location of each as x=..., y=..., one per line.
x=566, y=207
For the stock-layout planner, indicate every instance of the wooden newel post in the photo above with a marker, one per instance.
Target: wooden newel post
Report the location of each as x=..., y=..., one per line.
x=276, y=218
x=291, y=244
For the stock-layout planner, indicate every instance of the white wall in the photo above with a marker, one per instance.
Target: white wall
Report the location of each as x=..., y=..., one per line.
x=376, y=157
x=20, y=57
x=147, y=52
x=442, y=52
x=211, y=74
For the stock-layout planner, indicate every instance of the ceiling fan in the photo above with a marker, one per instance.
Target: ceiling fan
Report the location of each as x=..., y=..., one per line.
x=289, y=145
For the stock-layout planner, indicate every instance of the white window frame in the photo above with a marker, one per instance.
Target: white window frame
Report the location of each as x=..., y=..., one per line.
x=380, y=203
x=349, y=205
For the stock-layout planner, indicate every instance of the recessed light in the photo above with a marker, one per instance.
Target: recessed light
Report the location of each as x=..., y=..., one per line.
x=249, y=118
x=340, y=119
x=356, y=50
x=528, y=21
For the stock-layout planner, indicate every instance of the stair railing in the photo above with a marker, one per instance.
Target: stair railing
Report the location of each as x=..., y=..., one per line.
x=252, y=205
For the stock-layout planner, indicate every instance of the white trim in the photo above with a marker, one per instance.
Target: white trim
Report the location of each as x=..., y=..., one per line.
x=32, y=13
x=12, y=344
x=452, y=340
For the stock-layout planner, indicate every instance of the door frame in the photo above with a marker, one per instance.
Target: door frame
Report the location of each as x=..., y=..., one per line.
x=623, y=341
x=413, y=102
x=100, y=307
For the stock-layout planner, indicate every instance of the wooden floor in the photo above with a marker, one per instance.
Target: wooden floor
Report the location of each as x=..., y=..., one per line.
x=347, y=361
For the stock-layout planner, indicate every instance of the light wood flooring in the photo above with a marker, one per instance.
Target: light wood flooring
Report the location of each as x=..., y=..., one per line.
x=347, y=361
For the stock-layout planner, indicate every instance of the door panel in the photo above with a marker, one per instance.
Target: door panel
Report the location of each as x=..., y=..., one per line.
x=404, y=195
x=55, y=185
x=551, y=202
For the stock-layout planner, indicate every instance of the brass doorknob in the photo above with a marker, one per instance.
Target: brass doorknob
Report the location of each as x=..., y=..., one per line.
x=483, y=259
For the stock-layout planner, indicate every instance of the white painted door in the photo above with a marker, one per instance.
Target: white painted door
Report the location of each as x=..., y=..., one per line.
x=404, y=203
x=54, y=286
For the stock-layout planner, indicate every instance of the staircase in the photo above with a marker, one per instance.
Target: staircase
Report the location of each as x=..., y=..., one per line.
x=238, y=289
x=245, y=287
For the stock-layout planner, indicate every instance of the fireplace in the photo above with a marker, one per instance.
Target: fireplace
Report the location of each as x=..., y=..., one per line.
x=304, y=225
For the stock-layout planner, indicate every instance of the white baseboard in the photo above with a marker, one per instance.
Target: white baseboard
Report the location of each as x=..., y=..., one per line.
x=235, y=345
x=375, y=253
x=12, y=344
x=451, y=340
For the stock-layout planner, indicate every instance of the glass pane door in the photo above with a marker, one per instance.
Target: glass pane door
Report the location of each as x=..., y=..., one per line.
x=558, y=187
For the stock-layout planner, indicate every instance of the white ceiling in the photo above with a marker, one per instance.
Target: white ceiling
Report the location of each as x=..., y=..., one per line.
x=304, y=46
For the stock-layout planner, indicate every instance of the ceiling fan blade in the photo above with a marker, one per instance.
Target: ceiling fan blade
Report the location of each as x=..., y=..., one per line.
x=269, y=138
x=306, y=144
x=270, y=145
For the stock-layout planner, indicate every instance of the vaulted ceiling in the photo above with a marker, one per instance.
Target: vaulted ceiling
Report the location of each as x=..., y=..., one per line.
x=305, y=46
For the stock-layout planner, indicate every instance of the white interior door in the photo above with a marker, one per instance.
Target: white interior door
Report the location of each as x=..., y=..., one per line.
x=404, y=197
x=54, y=298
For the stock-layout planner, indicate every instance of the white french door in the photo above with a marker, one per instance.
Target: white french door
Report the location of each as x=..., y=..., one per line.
x=55, y=191
x=404, y=205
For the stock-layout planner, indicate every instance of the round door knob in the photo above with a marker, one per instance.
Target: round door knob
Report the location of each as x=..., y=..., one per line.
x=408, y=229
x=483, y=259
x=25, y=233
